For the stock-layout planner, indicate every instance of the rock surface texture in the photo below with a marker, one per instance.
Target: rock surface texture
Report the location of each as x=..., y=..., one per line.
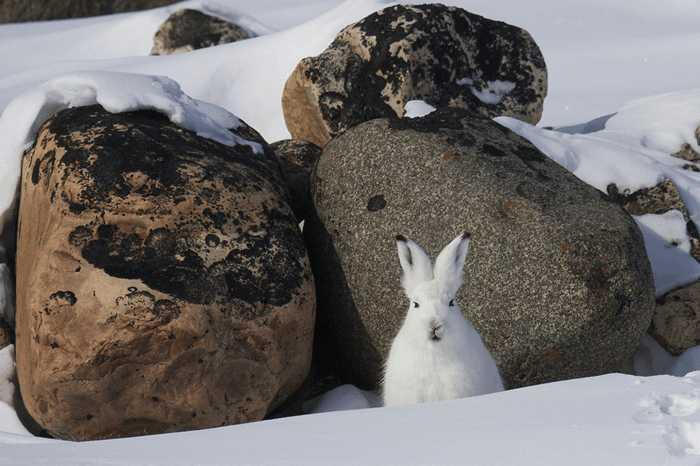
x=298, y=159
x=557, y=280
x=442, y=55
x=163, y=283
x=16, y=11
x=188, y=30
x=676, y=322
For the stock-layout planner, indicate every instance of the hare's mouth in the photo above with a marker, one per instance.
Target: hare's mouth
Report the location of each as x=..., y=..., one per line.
x=436, y=332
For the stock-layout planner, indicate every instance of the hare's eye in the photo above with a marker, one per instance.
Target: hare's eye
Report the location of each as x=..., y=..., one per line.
x=452, y=302
x=415, y=304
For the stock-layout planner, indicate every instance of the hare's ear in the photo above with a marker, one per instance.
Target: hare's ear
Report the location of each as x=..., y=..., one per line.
x=415, y=263
x=449, y=264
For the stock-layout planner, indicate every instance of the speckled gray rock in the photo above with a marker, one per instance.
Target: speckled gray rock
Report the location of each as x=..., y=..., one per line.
x=297, y=159
x=557, y=280
x=162, y=281
x=188, y=30
x=676, y=322
x=442, y=55
x=657, y=200
x=14, y=11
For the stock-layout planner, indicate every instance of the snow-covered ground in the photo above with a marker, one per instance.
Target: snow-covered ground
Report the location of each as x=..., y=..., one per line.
x=609, y=420
x=621, y=93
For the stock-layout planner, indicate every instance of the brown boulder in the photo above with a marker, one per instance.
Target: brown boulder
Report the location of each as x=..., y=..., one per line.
x=162, y=280
x=676, y=321
x=188, y=30
x=442, y=55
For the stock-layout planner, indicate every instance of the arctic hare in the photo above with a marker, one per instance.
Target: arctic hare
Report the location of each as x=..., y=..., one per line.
x=437, y=354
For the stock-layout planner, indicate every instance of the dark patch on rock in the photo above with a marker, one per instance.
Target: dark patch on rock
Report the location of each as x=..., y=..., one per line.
x=64, y=297
x=376, y=203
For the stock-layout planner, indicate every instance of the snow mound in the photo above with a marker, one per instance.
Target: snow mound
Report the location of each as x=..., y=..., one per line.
x=116, y=92
x=344, y=398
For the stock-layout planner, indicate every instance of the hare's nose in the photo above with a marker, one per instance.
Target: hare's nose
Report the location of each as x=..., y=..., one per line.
x=436, y=330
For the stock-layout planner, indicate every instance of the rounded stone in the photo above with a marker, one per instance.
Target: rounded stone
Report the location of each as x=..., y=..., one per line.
x=557, y=280
x=442, y=55
x=162, y=281
x=187, y=30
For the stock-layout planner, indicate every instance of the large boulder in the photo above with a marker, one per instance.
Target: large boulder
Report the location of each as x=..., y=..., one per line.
x=187, y=30
x=298, y=159
x=16, y=11
x=162, y=281
x=557, y=280
x=442, y=55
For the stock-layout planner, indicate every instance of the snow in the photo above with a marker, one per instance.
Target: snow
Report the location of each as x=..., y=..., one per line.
x=634, y=53
x=417, y=109
x=9, y=422
x=343, y=398
x=632, y=148
x=116, y=92
x=613, y=419
x=493, y=93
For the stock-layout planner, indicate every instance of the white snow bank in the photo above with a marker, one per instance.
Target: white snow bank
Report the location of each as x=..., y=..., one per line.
x=116, y=92
x=632, y=149
x=9, y=422
x=609, y=420
x=417, y=109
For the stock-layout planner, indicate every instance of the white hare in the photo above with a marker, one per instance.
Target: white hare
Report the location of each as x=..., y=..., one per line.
x=437, y=354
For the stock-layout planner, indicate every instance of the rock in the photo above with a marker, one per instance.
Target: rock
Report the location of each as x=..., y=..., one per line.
x=687, y=152
x=188, y=30
x=441, y=55
x=557, y=280
x=657, y=200
x=17, y=11
x=676, y=322
x=5, y=334
x=162, y=280
x=298, y=159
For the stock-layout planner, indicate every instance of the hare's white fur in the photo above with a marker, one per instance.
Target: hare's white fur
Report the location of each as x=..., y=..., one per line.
x=437, y=354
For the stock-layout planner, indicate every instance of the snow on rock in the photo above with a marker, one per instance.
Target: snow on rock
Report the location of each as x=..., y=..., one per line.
x=494, y=91
x=632, y=149
x=9, y=422
x=613, y=419
x=116, y=92
x=417, y=109
x=668, y=247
